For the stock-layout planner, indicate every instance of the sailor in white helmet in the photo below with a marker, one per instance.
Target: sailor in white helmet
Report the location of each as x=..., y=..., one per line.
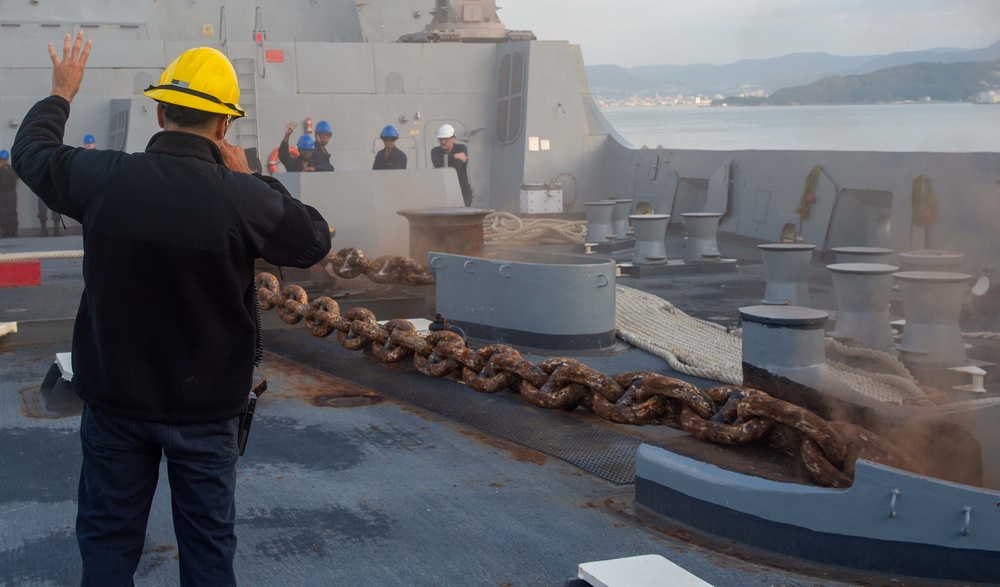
x=448, y=153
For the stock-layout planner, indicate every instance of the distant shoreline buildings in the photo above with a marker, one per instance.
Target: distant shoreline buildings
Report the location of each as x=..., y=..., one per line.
x=990, y=97
x=640, y=101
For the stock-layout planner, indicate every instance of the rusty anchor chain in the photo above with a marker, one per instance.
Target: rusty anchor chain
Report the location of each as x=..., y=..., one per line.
x=351, y=262
x=726, y=414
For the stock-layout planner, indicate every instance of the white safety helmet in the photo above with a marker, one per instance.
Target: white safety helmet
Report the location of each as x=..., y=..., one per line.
x=446, y=131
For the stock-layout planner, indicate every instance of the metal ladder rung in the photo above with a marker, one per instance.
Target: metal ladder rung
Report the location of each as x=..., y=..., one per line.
x=247, y=80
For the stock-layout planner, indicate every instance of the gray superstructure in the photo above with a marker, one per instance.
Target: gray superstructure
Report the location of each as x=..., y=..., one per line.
x=523, y=107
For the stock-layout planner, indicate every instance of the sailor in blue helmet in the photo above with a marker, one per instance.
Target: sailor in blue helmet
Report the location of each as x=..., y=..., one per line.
x=305, y=145
x=389, y=157
x=8, y=196
x=89, y=142
x=320, y=160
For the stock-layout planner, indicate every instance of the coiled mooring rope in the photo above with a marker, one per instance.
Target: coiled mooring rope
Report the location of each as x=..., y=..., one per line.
x=504, y=228
x=809, y=192
x=691, y=346
x=923, y=202
x=704, y=349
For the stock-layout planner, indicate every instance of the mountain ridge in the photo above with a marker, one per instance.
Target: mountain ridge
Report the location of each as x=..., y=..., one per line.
x=761, y=76
x=915, y=82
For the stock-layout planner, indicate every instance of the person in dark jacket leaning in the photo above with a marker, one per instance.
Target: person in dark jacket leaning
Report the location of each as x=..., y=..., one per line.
x=389, y=157
x=8, y=196
x=175, y=229
x=448, y=153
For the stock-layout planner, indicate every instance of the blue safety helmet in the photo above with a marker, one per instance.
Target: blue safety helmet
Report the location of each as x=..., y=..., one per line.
x=88, y=140
x=4, y=154
x=306, y=142
x=323, y=126
x=389, y=132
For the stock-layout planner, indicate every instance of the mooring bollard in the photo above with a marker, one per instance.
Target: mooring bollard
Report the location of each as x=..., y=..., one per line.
x=445, y=230
x=619, y=217
x=701, y=243
x=863, y=291
x=776, y=338
x=877, y=255
x=599, y=229
x=932, y=304
x=787, y=269
x=650, y=234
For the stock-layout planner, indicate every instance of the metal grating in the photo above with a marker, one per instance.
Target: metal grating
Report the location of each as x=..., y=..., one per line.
x=606, y=453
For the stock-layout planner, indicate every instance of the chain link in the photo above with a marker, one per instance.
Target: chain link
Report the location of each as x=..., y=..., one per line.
x=727, y=414
x=351, y=262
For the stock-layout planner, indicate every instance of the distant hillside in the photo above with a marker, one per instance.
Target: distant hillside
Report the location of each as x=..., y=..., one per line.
x=943, y=55
x=767, y=75
x=947, y=82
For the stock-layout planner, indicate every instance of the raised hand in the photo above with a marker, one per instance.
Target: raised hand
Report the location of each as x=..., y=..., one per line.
x=67, y=74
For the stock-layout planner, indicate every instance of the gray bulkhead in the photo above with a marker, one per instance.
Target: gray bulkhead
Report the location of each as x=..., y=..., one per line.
x=523, y=108
x=312, y=61
x=861, y=198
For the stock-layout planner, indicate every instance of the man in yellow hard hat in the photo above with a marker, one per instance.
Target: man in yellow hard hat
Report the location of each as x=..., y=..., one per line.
x=164, y=343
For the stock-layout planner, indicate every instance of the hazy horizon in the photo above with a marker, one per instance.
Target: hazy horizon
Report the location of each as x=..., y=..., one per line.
x=719, y=32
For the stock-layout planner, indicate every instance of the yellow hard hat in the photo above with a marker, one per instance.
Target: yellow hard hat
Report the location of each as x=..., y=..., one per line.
x=201, y=79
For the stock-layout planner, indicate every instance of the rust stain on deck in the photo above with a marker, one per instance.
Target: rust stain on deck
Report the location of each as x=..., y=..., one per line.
x=521, y=454
x=292, y=380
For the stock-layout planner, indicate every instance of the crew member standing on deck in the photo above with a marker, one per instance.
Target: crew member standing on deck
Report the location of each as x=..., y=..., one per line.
x=389, y=157
x=448, y=153
x=320, y=158
x=305, y=145
x=175, y=228
x=8, y=196
x=89, y=142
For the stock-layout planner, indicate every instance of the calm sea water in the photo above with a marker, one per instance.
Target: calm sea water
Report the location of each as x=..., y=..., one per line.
x=952, y=128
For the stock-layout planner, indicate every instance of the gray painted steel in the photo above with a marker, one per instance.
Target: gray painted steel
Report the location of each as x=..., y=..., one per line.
x=863, y=290
x=887, y=519
x=535, y=123
x=783, y=337
x=540, y=300
x=787, y=266
x=315, y=62
x=362, y=206
x=928, y=511
x=932, y=302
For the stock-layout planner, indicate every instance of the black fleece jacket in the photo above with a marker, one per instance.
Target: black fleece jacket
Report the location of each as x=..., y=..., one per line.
x=165, y=329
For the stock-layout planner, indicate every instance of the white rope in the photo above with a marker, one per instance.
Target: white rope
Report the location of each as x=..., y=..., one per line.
x=891, y=362
x=690, y=346
x=40, y=255
x=880, y=386
x=504, y=228
x=983, y=335
x=708, y=350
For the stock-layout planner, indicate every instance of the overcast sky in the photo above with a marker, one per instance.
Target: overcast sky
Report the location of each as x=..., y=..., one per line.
x=680, y=32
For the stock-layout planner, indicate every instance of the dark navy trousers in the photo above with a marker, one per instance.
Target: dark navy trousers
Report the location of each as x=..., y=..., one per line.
x=121, y=464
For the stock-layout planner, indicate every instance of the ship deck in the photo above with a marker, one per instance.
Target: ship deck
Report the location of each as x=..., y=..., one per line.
x=360, y=473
